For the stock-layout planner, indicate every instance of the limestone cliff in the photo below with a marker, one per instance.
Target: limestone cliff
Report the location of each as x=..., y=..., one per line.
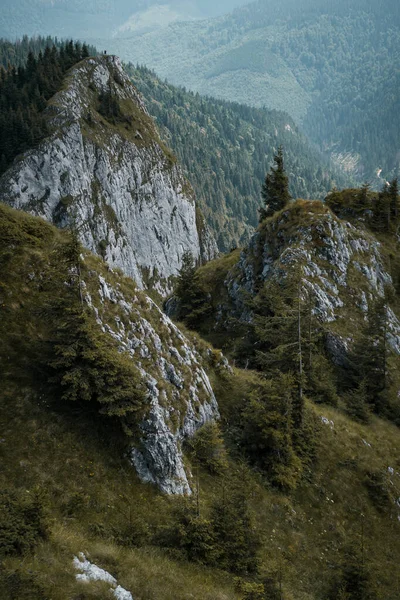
x=180, y=397
x=104, y=168
x=342, y=263
x=177, y=395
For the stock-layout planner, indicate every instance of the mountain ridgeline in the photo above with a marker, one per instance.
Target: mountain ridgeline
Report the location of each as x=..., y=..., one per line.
x=139, y=460
x=332, y=66
x=99, y=165
x=227, y=148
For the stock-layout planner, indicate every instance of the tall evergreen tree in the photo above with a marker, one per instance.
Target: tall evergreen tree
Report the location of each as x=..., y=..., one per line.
x=267, y=420
x=193, y=303
x=279, y=327
x=85, y=364
x=275, y=191
x=369, y=359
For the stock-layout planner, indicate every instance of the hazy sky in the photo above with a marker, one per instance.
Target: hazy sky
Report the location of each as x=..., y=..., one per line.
x=101, y=18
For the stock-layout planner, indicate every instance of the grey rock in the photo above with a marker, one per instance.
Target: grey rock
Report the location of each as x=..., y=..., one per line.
x=127, y=198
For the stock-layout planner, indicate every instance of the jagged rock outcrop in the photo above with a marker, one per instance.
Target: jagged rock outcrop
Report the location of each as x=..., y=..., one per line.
x=180, y=395
x=342, y=264
x=177, y=396
x=112, y=177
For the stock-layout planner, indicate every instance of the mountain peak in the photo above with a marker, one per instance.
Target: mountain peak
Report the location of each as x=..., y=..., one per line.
x=104, y=169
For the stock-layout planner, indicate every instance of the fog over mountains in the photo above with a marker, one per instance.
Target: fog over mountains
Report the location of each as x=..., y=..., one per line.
x=332, y=66
x=102, y=18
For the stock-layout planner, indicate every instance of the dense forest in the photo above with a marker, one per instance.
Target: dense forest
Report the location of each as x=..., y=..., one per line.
x=227, y=148
x=25, y=90
x=332, y=67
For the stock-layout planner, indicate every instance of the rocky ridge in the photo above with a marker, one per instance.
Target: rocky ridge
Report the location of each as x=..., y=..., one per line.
x=177, y=395
x=342, y=265
x=180, y=395
x=112, y=177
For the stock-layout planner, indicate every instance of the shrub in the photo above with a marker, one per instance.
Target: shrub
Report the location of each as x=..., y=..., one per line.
x=22, y=522
x=193, y=536
x=15, y=585
x=250, y=590
x=356, y=404
x=235, y=533
x=208, y=448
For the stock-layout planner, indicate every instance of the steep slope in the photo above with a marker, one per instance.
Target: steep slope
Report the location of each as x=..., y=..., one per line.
x=67, y=481
x=177, y=397
x=227, y=149
x=315, y=282
x=104, y=168
x=343, y=266
x=296, y=57
x=224, y=147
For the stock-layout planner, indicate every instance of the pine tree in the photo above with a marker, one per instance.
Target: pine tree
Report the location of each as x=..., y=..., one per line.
x=393, y=193
x=193, y=303
x=85, y=364
x=369, y=358
x=234, y=530
x=280, y=314
x=356, y=401
x=267, y=421
x=355, y=581
x=275, y=191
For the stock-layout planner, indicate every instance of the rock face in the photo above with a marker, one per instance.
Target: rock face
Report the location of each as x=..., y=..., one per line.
x=112, y=177
x=342, y=264
x=180, y=396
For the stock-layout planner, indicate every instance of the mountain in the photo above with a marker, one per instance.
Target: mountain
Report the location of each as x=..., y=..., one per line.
x=138, y=460
x=76, y=521
x=227, y=148
x=103, y=167
x=316, y=278
x=104, y=314
x=332, y=67
x=77, y=19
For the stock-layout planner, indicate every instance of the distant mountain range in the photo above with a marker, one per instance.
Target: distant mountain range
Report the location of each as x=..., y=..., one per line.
x=334, y=67
x=101, y=18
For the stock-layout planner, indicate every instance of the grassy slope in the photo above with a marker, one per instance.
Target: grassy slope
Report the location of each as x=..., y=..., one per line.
x=91, y=492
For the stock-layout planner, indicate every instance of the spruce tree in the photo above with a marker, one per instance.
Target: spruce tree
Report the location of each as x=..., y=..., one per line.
x=85, y=363
x=275, y=191
x=234, y=529
x=393, y=193
x=368, y=363
x=193, y=302
x=280, y=316
x=267, y=421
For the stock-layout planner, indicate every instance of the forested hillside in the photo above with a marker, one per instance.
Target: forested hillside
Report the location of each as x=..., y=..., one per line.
x=25, y=90
x=16, y=53
x=290, y=500
x=332, y=66
x=227, y=149
x=94, y=18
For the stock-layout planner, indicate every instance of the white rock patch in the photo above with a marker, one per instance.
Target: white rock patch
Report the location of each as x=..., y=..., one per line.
x=91, y=572
x=128, y=200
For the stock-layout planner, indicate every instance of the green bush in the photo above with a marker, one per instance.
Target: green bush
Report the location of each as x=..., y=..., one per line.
x=207, y=446
x=250, y=590
x=192, y=535
x=357, y=404
x=234, y=530
x=22, y=522
x=15, y=585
